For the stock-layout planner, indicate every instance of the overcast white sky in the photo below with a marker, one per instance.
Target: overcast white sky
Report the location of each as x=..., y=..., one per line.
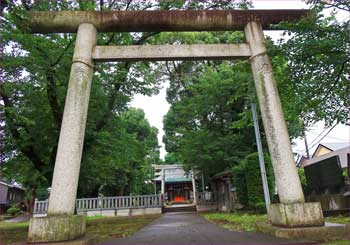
x=156, y=107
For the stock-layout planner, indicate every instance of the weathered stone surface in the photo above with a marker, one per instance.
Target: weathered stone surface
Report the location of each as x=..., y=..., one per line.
x=153, y=210
x=123, y=212
x=316, y=233
x=137, y=211
x=158, y=20
x=71, y=140
x=110, y=212
x=286, y=175
x=56, y=228
x=93, y=212
x=171, y=52
x=296, y=214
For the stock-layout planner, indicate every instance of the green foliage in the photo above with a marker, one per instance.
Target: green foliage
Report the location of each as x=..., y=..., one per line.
x=202, y=125
x=247, y=179
x=240, y=182
x=13, y=210
x=316, y=53
x=119, y=141
x=340, y=219
x=302, y=178
x=170, y=158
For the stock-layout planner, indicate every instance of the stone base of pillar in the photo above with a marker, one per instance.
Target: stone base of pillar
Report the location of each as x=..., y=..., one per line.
x=56, y=228
x=303, y=235
x=296, y=214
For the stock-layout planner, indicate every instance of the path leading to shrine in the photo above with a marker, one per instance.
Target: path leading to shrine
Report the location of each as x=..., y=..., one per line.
x=189, y=228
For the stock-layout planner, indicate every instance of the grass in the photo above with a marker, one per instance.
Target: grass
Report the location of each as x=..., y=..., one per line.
x=102, y=228
x=339, y=242
x=117, y=227
x=9, y=226
x=246, y=222
x=338, y=219
x=236, y=221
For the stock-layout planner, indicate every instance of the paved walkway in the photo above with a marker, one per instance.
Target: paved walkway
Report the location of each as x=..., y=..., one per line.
x=21, y=218
x=189, y=228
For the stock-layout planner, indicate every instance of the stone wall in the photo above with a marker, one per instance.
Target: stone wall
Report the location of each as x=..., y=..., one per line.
x=331, y=202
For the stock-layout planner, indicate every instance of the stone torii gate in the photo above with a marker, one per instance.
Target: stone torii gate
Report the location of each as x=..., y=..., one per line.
x=61, y=223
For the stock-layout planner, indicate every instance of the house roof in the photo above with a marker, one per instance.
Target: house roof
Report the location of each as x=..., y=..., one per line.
x=173, y=173
x=332, y=146
x=11, y=185
x=336, y=146
x=224, y=173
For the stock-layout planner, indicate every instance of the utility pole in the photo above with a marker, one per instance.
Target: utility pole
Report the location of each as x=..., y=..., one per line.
x=306, y=146
x=260, y=151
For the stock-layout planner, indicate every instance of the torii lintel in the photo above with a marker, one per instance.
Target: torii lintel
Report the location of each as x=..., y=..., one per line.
x=158, y=20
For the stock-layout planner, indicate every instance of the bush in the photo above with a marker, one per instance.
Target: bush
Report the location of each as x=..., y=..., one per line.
x=302, y=178
x=239, y=180
x=13, y=210
x=247, y=179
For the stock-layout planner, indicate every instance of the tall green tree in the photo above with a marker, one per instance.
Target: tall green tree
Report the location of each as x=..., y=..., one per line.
x=315, y=69
x=205, y=127
x=35, y=72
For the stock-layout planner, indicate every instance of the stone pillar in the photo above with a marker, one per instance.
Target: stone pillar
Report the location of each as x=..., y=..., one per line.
x=194, y=188
x=162, y=190
x=286, y=175
x=70, y=146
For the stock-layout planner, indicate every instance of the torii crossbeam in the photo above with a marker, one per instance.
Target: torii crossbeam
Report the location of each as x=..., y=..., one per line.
x=291, y=212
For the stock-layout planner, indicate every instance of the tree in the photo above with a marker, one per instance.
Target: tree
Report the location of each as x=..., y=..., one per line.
x=311, y=70
x=204, y=127
x=120, y=162
x=316, y=69
x=170, y=158
x=35, y=73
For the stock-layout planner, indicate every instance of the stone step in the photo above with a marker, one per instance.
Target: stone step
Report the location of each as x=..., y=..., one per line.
x=191, y=208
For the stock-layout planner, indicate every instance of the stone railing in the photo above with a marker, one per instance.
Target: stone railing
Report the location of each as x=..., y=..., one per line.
x=119, y=202
x=40, y=207
x=107, y=203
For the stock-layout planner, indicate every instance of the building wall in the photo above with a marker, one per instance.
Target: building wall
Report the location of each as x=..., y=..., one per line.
x=321, y=151
x=15, y=195
x=3, y=193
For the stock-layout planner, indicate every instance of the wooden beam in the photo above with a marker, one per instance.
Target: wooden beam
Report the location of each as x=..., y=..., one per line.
x=170, y=52
x=158, y=20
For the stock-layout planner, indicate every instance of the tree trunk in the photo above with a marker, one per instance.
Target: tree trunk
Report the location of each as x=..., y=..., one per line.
x=32, y=200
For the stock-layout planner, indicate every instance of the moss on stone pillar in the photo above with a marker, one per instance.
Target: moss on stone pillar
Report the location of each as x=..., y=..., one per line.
x=56, y=228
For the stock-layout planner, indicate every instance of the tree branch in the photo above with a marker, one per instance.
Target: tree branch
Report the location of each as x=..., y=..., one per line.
x=62, y=54
x=342, y=67
x=25, y=5
x=52, y=97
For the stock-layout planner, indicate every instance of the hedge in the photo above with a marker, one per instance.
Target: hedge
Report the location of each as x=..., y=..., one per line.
x=247, y=180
